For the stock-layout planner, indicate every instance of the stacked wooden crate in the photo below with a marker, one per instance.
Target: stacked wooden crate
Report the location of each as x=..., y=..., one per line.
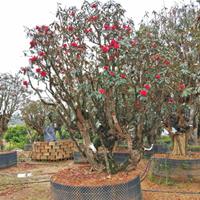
x=52, y=151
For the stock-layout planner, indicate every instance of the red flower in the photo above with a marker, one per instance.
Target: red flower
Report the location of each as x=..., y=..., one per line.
x=70, y=28
x=45, y=28
x=102, y=91
x=38, y=28
x=111, y=73
x=41, y=53
x=93, y=18
x=147, y=86
x=72, y=13
x=157, y=76
x=105, y=48
x=88, y=30
x=25, y=83
x=114, y=44
x=33, y=44
x=127, y=28
x=107, y=27
x=143, y=93
x=33, y=59
x=38, y=70
x=171, y=100
x=166, y=62
x=43, y=73
x=113, y=27
x=74, y=44
x=64, y=45
x=106, y=67
x=93, y=5
x=134, y=42
x=181, y=86
x=123, y=75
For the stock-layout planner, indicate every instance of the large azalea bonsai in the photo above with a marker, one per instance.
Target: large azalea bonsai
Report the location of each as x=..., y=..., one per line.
x=109, y=81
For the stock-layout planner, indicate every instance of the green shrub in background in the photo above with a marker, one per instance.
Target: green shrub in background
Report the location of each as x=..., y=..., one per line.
x=164, y=140
x=16, y=137
x=64, y=134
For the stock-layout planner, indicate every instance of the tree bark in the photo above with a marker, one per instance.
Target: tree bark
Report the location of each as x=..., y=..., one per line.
x=193, y=121
x=1, y=144
x=83, y=126
x=179, y=144
x=135, y=156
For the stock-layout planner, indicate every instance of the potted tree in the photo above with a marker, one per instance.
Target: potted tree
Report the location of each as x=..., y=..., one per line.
x=107, y=81
x=179, y=29
x=12, y=96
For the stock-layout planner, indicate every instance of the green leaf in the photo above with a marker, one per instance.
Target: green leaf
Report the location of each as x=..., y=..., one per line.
x=187, y=92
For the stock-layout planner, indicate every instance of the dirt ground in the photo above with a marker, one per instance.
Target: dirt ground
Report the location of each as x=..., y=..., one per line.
x=14, y=188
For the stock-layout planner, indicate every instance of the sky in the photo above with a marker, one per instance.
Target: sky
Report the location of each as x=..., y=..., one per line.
x=17, y=14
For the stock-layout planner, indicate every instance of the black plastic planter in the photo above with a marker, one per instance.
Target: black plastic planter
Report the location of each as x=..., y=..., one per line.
x=8, y=159
x=127, y=191
x=194, y=149
x=157, y=148
x=180, y=170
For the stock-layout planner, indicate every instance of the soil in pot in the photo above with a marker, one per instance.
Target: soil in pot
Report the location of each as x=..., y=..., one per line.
x=80, y=183
x=81, y=175
x=189, y=156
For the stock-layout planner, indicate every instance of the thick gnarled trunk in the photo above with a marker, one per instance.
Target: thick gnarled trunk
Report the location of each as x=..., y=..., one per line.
x=193, y=121
x=179, y=144
x=84, y=127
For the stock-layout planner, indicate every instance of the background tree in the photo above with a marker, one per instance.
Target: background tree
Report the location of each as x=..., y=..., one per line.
x=36, y=115
x=16, y=136
x=12, y=97
x=179, y=29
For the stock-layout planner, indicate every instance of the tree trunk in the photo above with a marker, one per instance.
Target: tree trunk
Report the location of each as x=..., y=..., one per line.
x=1, y=144
x=179, y=144
x=134, y=154
x=84, y=128
x=193, y=121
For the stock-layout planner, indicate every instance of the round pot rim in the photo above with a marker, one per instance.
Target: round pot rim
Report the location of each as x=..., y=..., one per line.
x=132, y=181
x=7, y=152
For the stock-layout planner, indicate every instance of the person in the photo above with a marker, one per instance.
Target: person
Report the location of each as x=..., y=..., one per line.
x=49, y=133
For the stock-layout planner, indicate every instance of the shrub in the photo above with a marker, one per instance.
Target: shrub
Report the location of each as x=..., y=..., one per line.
x=16, y=136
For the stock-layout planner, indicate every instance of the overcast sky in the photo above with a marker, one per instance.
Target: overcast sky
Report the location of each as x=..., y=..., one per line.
x=16, y=14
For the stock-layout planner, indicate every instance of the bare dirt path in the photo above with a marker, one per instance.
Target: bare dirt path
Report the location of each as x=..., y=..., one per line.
x=12, y=188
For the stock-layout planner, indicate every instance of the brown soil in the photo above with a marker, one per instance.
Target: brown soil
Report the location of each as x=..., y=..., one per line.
x=21, y=167
x=191, y=156
x=81, y=175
